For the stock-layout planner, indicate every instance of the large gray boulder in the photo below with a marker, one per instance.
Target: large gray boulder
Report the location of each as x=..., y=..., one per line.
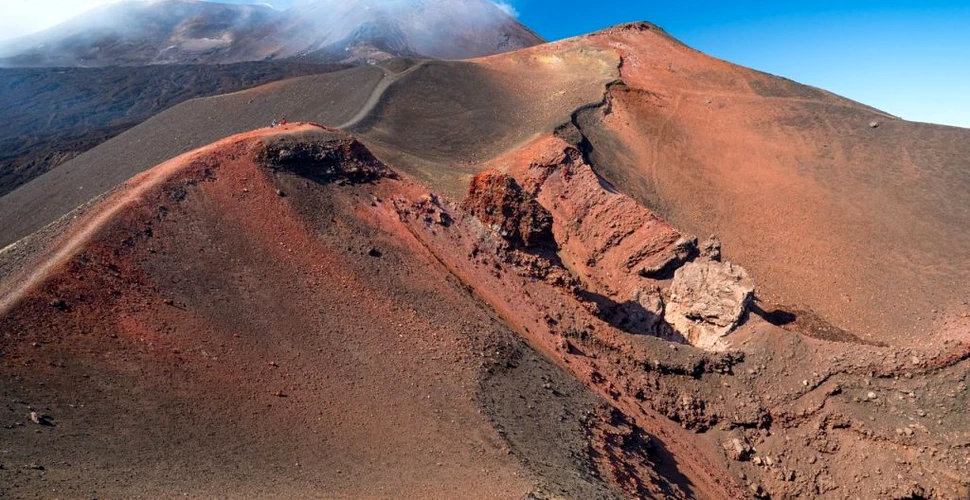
x=707, y=301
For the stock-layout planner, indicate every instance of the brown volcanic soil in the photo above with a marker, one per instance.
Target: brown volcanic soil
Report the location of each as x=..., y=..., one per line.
x=861, y=229
x=836, y=208
x=280, y=313
x=482, y=113
x=470, y=112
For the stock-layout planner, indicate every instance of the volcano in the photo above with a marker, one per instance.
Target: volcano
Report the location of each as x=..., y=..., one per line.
x=329, y=31
x=78, y=84
x=606, y=267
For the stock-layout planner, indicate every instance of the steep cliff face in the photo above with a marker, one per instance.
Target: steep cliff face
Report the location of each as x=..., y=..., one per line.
x=630, y=267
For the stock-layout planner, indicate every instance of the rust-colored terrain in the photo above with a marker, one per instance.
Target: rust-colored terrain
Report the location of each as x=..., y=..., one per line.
x=496, y=280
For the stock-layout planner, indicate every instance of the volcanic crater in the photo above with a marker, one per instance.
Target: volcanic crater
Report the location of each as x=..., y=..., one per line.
x=499, y=278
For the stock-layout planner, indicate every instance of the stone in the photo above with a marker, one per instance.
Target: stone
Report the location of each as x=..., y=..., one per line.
x=757, y=490
x=711, y=249
x=498, y=201
x=39, y=419
x=642, y=314
x=684, y=250
x=707, y=301
x=738, y=450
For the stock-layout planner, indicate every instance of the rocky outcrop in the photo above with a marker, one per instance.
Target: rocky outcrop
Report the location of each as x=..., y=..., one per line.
x=707, y=301
x=497, y=200
x=683, y=251
x=605, y=238
x=335, y=158
x=618, y=256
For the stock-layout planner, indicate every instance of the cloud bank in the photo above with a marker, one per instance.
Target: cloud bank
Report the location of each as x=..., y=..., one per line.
x=23, y=17
x=507, y=8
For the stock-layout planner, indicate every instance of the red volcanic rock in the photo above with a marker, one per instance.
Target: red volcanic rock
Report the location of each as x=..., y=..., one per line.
x=606, y=236
x=498, y=201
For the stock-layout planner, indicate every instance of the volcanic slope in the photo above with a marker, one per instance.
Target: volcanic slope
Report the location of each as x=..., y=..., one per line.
x=328, y=98
x=838, y=210
x=492, y=119
x=529, y=178
x=255, y=318
x=52, y=115
x=286, y=314
x=156, y=32
x=847, y=217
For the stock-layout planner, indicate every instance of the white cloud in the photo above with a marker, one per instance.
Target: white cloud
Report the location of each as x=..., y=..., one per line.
x=506, y=7
x=23, y=17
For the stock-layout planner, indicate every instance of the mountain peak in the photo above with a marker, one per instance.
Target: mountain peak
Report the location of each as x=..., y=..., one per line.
x=197, y=31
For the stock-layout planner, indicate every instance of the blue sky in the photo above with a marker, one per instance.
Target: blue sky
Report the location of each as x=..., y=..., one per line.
x=909, y=58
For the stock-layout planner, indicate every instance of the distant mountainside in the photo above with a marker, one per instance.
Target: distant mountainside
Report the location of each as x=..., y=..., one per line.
x=330, y=31
x=50, y=115
x=69, y=88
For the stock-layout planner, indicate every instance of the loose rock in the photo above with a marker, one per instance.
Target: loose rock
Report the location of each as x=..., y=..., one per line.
x=738, y=450
x=708, y=300
x=711, y=249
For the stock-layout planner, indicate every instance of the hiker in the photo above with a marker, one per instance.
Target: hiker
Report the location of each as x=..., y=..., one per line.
x=274, y=124
x=283, y=121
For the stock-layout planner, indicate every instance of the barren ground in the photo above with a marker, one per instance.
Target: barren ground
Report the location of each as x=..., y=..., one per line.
x=454, y=303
